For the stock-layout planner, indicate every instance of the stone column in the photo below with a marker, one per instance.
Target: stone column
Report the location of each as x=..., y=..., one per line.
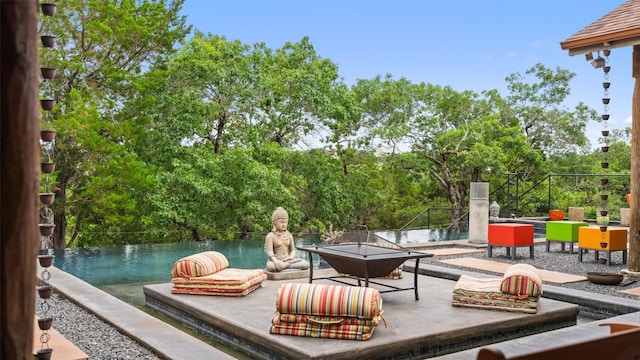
x=625, y=214
x=479, y=213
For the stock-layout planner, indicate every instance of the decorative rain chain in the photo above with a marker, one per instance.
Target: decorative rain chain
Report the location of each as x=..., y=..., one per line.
x=46, y=223
x=603, y=218
x=44, y=319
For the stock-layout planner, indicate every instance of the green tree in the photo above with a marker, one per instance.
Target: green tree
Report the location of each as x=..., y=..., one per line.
x=206, y=96
x=227, y=196
x=295, y=88
x=536, y=102
x=220, y=99
x=103, y=46
x=389, y=106
x=463, y=140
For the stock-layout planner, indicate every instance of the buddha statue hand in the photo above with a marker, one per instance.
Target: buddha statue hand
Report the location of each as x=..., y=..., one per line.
x=279, y=264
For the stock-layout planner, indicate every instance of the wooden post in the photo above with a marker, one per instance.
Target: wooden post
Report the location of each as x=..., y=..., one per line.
x=634, y=229
x=19, y=175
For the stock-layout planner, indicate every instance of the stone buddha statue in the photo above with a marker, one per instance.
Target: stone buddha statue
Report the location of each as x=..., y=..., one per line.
x=279, y=245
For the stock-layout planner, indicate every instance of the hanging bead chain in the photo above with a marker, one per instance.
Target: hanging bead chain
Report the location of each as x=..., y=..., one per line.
x=44, y=321
x=603, y=219
x=45, y=291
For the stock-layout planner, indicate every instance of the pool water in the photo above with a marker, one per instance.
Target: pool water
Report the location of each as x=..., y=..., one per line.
x=151, y=263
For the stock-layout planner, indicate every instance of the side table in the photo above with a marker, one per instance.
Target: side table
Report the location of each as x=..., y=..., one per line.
x=592, y=237
x=563, y=232
x=511, y=236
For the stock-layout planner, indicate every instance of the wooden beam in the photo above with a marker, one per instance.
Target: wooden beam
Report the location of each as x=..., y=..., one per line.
x=19, y=175
x=603, y=46
x=634, y=228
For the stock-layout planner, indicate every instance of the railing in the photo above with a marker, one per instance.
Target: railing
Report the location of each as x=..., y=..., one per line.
x=428, y=212
x=512, y=203
x=511, y=206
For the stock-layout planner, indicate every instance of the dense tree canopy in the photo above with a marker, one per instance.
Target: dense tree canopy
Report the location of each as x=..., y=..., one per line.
x=167, y=135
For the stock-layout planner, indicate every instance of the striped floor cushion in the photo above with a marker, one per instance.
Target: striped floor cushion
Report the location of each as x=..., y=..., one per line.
x=327, y=311
x=486, y=294
x=208, y=273
x=519, y=290
x=394, y=274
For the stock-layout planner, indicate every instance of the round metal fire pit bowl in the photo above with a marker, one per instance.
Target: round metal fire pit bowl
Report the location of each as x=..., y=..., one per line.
x=604, y=278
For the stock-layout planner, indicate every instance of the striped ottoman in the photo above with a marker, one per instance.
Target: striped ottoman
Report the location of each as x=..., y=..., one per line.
x=327, y=311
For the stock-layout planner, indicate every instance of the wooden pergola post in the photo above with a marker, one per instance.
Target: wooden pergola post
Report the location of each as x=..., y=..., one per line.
x=634, y=228
x=19, y=175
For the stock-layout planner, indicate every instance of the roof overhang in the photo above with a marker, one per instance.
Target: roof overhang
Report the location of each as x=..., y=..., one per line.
x=606, y=41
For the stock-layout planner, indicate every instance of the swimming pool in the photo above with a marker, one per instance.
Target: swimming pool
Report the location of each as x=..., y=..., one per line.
x=151, y=263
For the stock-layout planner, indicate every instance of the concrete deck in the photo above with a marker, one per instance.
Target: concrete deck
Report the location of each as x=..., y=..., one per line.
x=415, y=329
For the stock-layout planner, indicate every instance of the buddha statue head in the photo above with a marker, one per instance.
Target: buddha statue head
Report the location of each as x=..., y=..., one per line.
x=279, y=214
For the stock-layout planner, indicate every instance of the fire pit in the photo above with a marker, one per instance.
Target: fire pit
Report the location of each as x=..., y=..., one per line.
x=604, y=278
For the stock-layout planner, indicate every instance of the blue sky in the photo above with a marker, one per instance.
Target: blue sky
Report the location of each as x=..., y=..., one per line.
x=467, y=44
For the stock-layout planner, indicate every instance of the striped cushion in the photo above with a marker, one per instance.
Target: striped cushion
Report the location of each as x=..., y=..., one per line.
x=485, y=293
x=329, y=300
x=324, y=320
x=522, y=279
x=201, y=264
x=216, y=291
x=344, y=332
x=228, y=276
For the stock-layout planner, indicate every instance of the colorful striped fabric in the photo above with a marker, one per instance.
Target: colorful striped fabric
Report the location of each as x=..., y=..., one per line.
x=341, y=320
x=344, y=332
x=329, y=300
x=485, y=293
x=228, y=276
x=201, y=264
x=522, y=280
x=519, y=290
x=327, y=311
x=215, y=290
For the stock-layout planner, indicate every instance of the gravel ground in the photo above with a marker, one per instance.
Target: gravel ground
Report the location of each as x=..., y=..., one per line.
x=96, y=338
x=102, y=341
